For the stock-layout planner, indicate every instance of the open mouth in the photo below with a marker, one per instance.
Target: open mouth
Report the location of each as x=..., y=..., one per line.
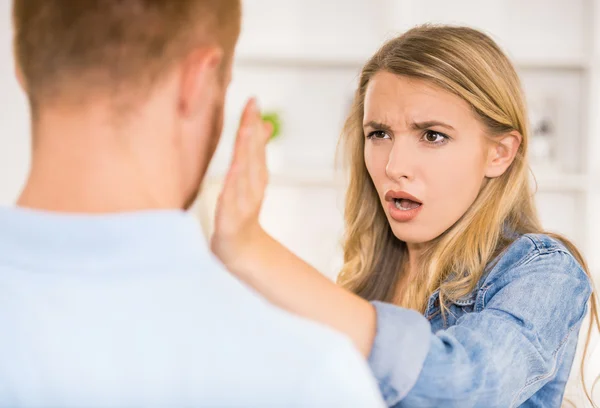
x=405, y=204
x=403, y=207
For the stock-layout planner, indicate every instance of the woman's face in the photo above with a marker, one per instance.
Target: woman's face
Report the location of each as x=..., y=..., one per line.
x=426, y=153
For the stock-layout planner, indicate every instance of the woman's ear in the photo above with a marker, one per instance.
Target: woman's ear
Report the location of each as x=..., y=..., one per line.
x=501, y=153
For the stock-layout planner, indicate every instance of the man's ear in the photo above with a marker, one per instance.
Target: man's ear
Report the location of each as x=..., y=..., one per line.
x=501, y=153
x=20, y=77
x=200, y=74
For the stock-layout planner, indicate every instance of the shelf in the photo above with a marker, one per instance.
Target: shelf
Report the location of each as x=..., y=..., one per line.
x=554, y=63
x=545, y=182
x=312, y=179
x=556, y=182
x=303, y=62
x=356, y=63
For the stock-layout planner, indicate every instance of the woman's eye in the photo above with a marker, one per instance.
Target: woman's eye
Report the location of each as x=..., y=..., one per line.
x=378, y=134
x=434, y=137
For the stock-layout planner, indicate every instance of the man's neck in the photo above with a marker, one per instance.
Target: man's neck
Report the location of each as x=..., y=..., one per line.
x=84, y=164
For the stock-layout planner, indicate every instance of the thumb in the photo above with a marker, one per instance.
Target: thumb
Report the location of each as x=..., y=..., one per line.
x=268, y=130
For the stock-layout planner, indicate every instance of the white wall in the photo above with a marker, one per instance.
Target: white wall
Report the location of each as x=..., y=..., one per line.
x=14, y=117
x=303, y=60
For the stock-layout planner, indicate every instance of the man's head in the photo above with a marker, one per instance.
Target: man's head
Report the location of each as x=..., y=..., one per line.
x=162, y=62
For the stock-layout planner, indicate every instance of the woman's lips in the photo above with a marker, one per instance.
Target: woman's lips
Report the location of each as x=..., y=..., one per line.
x=401, y=215
x=402, y=206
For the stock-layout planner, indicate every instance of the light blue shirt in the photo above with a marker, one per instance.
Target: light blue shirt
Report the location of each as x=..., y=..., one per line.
x=132, y=310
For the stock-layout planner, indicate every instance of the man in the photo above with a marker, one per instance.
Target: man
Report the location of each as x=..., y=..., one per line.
x=109, y=295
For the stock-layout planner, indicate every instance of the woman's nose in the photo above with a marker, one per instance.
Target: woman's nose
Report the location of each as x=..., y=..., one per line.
x=401, y=160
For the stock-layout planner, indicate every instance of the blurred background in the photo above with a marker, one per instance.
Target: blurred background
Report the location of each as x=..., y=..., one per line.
x=301, y=59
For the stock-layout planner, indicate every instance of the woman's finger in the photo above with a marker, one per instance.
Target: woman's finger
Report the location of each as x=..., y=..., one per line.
x=245, y=122
x=262, y=152
x=235, y=189
x=244, y=164
x=267, y=132
x=257, y=159
x=268, y=126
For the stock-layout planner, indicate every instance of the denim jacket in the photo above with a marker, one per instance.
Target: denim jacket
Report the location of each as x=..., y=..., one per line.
x=510, y=343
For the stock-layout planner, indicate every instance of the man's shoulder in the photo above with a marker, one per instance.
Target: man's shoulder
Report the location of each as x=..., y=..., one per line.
x=228, y=297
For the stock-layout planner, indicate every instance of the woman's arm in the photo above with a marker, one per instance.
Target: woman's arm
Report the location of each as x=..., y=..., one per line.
x=292, y=284
x=257, y=259
x=521, y=336
x=525, y=324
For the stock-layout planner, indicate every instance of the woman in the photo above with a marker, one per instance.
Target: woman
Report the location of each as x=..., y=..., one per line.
x=450, y=286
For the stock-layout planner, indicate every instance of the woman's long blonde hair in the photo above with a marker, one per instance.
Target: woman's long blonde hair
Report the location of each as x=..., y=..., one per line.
x=469, y=64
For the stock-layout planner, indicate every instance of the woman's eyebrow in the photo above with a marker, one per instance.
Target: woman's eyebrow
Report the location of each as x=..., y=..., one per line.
x=415, y=125
x=428, y=124
x=378, y=125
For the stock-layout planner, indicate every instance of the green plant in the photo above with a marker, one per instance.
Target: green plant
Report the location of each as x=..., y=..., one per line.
x=275, y=119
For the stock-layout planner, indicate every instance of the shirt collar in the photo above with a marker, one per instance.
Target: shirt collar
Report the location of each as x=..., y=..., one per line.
x=45, y=236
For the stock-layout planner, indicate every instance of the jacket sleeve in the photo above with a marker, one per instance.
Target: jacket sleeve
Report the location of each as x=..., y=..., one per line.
x=498, y=356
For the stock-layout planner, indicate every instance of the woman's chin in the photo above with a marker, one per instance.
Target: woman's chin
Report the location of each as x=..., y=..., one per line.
x=412, y=234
